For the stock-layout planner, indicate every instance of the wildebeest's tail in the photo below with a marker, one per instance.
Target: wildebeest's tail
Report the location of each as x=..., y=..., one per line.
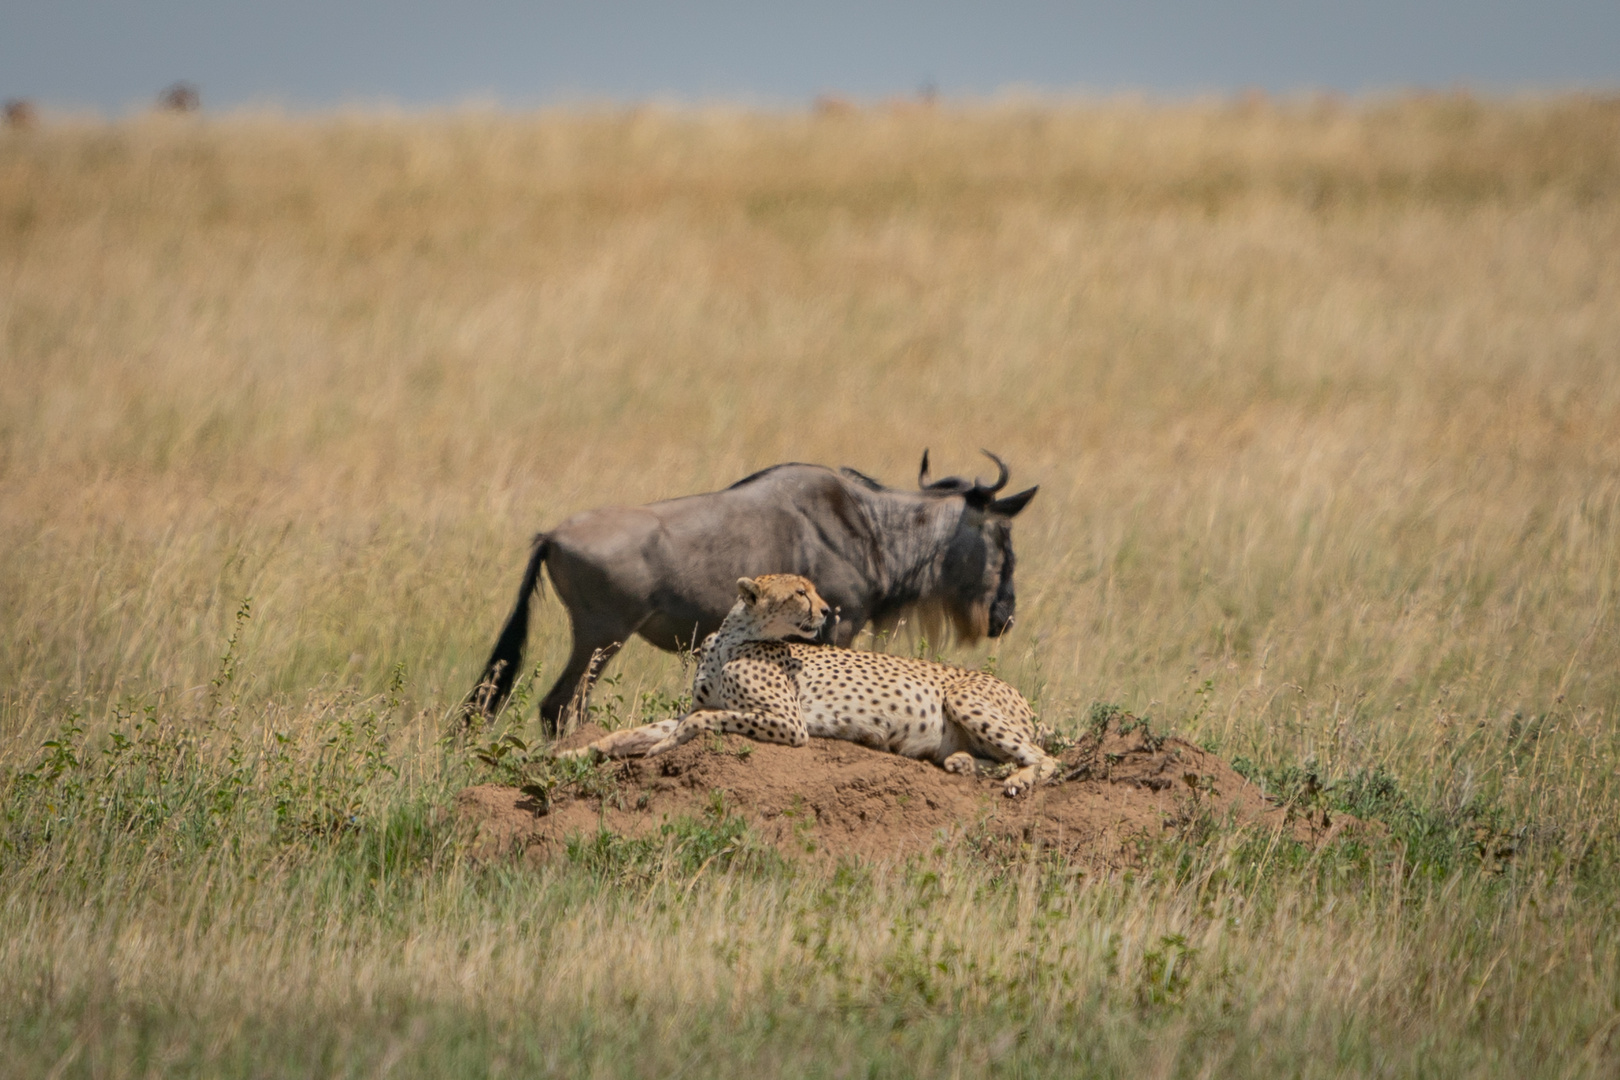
x=495, y=684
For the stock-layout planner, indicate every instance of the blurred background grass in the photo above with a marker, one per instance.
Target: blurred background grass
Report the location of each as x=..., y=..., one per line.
x=1321, y=397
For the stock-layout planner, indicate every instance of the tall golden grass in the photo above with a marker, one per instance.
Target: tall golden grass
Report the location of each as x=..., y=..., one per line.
x=1324, y=403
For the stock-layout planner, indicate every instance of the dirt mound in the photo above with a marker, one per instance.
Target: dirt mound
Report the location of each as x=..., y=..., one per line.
x=833, y=798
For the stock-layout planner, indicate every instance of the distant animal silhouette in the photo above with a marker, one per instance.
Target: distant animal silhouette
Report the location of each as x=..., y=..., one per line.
x=182, y=97
x=833, y=105
x=20, y=114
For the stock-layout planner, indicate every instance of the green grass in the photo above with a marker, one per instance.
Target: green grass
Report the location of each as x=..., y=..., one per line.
x=211, y=896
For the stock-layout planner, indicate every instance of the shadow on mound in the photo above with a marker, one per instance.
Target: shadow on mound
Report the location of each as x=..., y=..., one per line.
x=833, y=799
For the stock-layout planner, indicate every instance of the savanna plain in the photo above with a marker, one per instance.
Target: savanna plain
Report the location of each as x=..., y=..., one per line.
x=1323, y=399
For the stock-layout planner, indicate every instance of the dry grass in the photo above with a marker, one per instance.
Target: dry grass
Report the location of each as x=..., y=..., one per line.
x=1322, y=399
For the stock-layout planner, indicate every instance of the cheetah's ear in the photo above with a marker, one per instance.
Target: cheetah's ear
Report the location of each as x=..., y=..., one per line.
x=748, y=588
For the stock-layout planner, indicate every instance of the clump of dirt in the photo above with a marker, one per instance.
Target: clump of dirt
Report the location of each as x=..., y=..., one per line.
x=833, y=799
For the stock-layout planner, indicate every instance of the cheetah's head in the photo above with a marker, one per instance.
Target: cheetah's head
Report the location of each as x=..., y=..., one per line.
x=782, y=605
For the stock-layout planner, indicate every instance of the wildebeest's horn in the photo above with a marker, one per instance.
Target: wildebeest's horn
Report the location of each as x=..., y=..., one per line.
x=956, y=485
x=1001, y=481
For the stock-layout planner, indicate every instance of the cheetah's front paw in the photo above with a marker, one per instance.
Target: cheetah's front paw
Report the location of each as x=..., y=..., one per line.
x=662, y=746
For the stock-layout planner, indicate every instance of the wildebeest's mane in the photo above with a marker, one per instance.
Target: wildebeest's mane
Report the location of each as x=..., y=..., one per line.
x=751, y=477
x=950, y=485
x=862, y=479
x=848, y=473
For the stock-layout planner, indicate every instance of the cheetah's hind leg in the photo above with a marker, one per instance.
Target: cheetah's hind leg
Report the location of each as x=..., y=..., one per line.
x=1030, y=775
x=995, y=719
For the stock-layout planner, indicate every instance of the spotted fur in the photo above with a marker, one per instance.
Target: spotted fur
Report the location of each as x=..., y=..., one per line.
x=751, y=682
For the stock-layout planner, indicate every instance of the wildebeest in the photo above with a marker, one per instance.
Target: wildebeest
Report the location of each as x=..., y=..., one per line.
x=668, y=570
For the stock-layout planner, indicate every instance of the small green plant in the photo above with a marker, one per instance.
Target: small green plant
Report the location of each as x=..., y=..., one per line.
x=1054, y=742
x=539, y=773
x=659, y=703
x=1166, y=973
x=517, y=702
x=1035, y=690
x=606, y=704
x=507, y=756
x=1202, y=695
x=1101, y=717
x=220, y=684
x=396, y=686
x=1152, y=741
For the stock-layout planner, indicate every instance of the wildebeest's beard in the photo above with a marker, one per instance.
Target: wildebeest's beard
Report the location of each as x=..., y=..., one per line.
x=938, y=621
x=974, y=595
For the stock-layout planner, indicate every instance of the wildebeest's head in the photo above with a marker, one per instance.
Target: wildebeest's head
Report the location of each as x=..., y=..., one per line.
x=976, y=580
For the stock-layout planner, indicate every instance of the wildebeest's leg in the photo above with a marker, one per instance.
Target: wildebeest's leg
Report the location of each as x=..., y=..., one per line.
x=598, y=637
x=585, y=663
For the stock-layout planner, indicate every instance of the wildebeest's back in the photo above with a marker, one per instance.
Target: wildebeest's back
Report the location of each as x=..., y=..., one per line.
x=676, y=563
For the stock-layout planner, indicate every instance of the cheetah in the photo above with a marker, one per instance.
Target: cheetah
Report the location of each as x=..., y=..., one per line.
x=751, y=682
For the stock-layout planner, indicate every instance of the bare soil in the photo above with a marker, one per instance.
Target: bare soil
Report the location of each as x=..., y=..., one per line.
x=832, y=799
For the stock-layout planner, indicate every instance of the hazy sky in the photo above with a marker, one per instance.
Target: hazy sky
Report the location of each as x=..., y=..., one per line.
x=115, y=54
